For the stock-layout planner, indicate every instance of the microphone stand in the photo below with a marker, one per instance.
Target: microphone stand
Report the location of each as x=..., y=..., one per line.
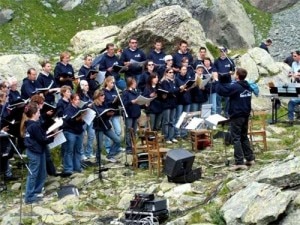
x=125, y=115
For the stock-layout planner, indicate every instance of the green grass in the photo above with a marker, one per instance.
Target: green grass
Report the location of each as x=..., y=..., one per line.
x=49, y=30
x=262, y=20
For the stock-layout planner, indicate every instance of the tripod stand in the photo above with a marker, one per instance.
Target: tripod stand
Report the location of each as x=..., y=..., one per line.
x=28, y=169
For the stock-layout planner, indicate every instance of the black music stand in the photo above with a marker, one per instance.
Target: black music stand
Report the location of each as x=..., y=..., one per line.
x=291, y=90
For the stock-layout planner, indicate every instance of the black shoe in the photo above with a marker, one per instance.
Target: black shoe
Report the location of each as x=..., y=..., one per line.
x=66, y=174
x=10, y=178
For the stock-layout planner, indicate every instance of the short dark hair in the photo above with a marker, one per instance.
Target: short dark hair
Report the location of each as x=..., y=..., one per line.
x=269, y=40
x=132, y=38
x=29, y=71
x=241, y=73
x=109, y=45
x=202, y=48
x=86, y=56
x=182, y=42
x=130, y=81
x=44, y=63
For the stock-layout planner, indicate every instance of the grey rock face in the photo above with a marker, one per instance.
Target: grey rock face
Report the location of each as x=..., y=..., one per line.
x=272, y=6
x=256, y=204
x=169, y=24
x=6, y=15
x=285, y=32
x=68, y=5
x=224, y=22
x=112, y=6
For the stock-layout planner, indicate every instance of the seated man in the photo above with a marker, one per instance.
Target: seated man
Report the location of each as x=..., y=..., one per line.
x=291, y=109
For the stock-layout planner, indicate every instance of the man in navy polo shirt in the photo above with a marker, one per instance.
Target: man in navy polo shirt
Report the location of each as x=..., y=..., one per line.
x=107, y=62
x=182, y=52
x=132, y=58
x=157, y=55
x=224, y=67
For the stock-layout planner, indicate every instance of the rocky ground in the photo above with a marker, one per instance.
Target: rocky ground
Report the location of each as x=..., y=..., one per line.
x=104, y=201
x=285, y=32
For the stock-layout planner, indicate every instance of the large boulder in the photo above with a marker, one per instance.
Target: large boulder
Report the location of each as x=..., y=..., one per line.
x=68, y=5
x=6, y=15
x=93, y=41
x=272, y=6
x=170, y=24
x=258, y=203
x=224, y=21
x=17, y=65
x=108, y=6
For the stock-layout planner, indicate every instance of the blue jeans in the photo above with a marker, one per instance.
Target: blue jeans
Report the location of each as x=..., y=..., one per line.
x=213, y=100
x=155, y=121
x=219, y=105
x=196, y=107
x=116, y=123
x=121, y=84
x=114, y=149
x=35, y=181
x=291, y=107
x=129, y=123
x=168, y=123
x=90, y=132
x=179, y=110
x=71, y=149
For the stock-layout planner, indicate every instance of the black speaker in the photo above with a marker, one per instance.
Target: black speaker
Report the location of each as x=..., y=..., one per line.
x=178, y=162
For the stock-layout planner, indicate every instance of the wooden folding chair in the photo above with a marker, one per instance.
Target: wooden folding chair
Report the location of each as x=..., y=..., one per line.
x=257, y=128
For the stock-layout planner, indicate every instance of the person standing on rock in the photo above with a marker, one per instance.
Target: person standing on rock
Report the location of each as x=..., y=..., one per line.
x=239, y=94
x=63, y=71
x=265, y=45
x=29, y=84
x=36, y=143
x=201, y=57
x=133, y=59
x=224, y=67
x=182, y=52
x=295, y=76
x=107, y=62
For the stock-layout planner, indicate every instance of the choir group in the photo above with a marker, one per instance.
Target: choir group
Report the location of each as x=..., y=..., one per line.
x=172, y=83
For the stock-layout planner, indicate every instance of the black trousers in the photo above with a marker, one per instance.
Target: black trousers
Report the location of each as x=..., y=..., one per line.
x=240, y=140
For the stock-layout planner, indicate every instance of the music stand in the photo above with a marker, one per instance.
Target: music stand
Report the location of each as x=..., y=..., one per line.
x=212, y=122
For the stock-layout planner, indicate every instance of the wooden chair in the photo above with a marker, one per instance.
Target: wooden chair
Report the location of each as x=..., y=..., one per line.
x=256, y=128
x=155, y=153
x=143, y=125
x=202, y=135
x=137, y=150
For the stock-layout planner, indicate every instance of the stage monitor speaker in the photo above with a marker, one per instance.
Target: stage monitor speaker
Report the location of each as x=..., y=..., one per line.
x=178, y=162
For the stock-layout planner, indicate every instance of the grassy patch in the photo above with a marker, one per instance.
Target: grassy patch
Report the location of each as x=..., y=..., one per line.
x=36, y=28
x=262, y=20
x=213, y=49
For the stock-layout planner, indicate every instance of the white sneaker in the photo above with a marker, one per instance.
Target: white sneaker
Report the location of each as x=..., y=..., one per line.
x=112, y=160
x=122, y=149
x=40, y=195
x=83, y=157
x=174, y=140
x=91, y=157
x=169, y=142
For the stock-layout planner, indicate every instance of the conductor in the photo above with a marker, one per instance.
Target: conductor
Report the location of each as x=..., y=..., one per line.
x=239, y=94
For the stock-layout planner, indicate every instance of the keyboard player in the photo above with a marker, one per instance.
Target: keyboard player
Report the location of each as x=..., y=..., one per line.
x=295, y=74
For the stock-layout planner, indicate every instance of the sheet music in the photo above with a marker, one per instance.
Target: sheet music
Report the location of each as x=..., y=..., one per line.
x=204, y=82
x=180, y=120
x=141, y=100
x=89, y=116
x=100, y=76
x=58, y=123
x=58, y=140
x=213, y=120
x=136, y=63
x=194, y=123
